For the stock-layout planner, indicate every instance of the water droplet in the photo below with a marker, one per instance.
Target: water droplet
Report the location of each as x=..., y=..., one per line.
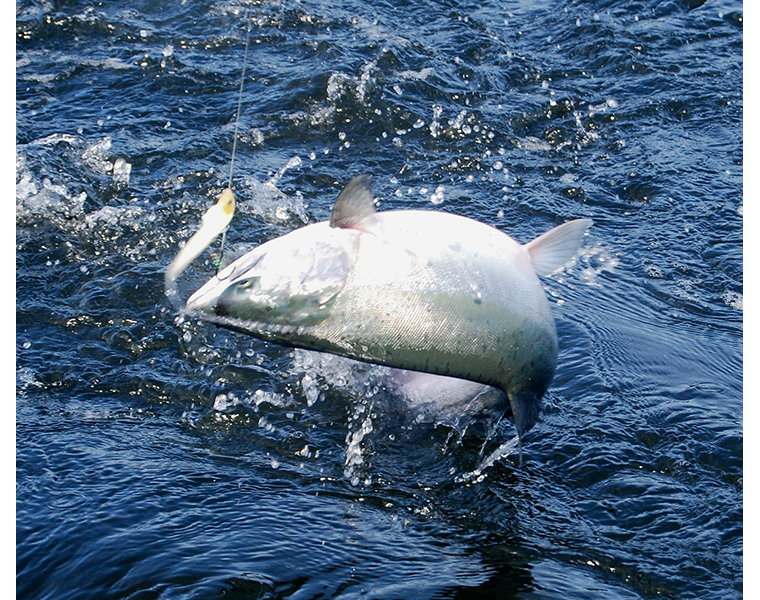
x=221, y=403
x=437, y=197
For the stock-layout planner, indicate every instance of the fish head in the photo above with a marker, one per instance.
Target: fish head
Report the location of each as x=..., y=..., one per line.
x=291, y=280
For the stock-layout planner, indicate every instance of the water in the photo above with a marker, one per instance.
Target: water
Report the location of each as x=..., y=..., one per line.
x=158, y=458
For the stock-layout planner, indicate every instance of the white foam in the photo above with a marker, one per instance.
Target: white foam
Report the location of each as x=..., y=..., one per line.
x=121, y=171
x=734, y=300
x=95, y=156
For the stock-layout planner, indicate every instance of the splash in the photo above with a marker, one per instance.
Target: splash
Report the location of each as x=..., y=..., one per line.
x=409, y=403
x=341, y=84
x=37, y=202
x=478, y=474
x=359, y=427
x=26, y=378
x=292, y=163
x=310, y=389
x=121, y=170
x=591, y=261
x=734, y=300
x=95, y=156
x=40, y=199
x=270, y=204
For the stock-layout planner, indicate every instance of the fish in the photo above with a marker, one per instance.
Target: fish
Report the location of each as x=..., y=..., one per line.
x=214, y=221
x=421, y=290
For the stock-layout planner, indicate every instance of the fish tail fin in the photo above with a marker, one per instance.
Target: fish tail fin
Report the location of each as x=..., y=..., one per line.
x=551, y=250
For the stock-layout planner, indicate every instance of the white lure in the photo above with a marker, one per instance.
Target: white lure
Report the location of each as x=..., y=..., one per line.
x=214, y=221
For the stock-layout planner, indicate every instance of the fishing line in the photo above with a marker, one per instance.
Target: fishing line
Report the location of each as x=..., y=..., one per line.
x=237, y=123
x=217, y=218
x=240, y=95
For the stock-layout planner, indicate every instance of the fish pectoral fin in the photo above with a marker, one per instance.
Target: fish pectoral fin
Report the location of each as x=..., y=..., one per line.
x=354, y=204
x=551, y=250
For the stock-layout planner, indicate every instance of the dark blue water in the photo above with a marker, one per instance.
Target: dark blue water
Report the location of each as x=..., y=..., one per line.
x=161, y=458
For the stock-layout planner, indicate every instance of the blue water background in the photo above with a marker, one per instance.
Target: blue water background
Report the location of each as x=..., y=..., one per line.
x=163, y=458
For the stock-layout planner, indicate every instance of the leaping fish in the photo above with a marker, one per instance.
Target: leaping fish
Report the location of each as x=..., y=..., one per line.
x=418, y=290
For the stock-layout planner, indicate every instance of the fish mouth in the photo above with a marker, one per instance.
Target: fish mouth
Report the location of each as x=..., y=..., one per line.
x=205, y=299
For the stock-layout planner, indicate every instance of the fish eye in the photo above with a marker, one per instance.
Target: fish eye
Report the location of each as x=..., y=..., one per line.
x=246, y=284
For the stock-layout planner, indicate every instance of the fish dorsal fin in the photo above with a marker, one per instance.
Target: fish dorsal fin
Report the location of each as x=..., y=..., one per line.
x=549, y=251
x=354, y=204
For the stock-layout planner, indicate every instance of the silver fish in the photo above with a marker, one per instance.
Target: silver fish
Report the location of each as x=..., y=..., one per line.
x=419, y=290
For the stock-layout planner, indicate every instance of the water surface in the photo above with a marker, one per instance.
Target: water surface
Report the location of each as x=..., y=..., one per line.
x=165, y=458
